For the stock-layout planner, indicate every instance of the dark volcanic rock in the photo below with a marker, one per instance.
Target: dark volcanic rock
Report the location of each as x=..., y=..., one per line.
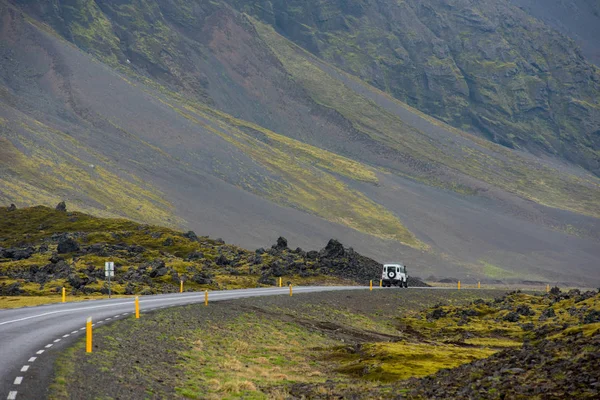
x=195, y=255
x=67, y=245
x=282, y=244
x=191, y=235
x=12, y=207
x=512, y=317
x=267, y=280
x=222, y=261
x=202, y=278
x=592, y=317
x=14, y=289
x=333, y=249
x=17, y=254
x=547, y=313
x=525, y=311
x=437, y=313
x=547, y=369
x=61, y=207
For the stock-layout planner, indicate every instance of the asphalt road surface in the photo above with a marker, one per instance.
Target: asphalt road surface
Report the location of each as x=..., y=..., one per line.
x=32, y=337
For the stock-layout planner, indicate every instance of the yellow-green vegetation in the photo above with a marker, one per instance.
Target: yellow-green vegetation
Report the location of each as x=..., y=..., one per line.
x=52, y=167
x=30, y=301
x=387, y=362
x=502, y=322
x=309, y=176
x=234, y=359
x=504, y=169
x=450, y=335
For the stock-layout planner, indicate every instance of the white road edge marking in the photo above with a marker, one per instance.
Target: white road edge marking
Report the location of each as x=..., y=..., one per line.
x=32, y=359
x=177, y=299
x=74, y=332
x=18, y=380
x=67, y=335
x=12, y=395
x=49, y=345
x=82, y=328
x=25, y=368
x=57, y=340
x=39, y=352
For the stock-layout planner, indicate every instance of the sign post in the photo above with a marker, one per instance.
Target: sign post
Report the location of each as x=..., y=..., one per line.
x=109, y=272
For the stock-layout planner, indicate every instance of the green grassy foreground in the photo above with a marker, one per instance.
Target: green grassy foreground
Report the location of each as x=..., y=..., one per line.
x=325, y=345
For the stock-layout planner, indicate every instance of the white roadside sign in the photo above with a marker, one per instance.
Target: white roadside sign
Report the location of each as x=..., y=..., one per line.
x=109, y=269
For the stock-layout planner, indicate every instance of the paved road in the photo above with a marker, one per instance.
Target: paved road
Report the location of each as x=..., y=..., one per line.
x=32, y=337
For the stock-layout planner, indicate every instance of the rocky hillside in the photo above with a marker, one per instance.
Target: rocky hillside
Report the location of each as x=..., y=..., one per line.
x=42, y=250
x=197, y=116
x=558, y=358
x=578, y=19
x=484, y=66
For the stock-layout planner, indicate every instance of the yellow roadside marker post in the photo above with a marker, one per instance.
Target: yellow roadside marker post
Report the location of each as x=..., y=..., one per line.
x=88, y=330
x=290, y=290
x=137, y=307
x=371, y=285
x=280, y=281
x=381, y=283
x=478, y=285
x=181, y=286
x=458, y=285
x=64, y=295
x=547, y=288
x=206, y=297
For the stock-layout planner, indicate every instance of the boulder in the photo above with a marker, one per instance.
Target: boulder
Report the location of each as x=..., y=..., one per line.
x=222, y=261
x=17, y=254
x=525, y=311
x=437, y=313
x=266, y=280
x=14, y=289
x=592, y=317
x=75, y=281
x=191, y=235
x=333, y=249
x=202, y=279
x=512, y=317
x=312, y=255
x=196, y=255
x=12, y=207
x=282, y=244
x=62, y=207
x=67, y=245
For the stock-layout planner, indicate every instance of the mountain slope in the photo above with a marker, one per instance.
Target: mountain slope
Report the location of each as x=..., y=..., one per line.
x=578, y=19
x=485, y=66
x=205, y=118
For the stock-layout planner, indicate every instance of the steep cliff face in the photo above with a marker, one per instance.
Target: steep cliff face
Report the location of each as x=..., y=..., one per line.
x=483, y=66
x=578, y=19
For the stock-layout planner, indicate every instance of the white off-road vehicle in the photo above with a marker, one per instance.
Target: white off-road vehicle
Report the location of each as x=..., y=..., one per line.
x=394, y=274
